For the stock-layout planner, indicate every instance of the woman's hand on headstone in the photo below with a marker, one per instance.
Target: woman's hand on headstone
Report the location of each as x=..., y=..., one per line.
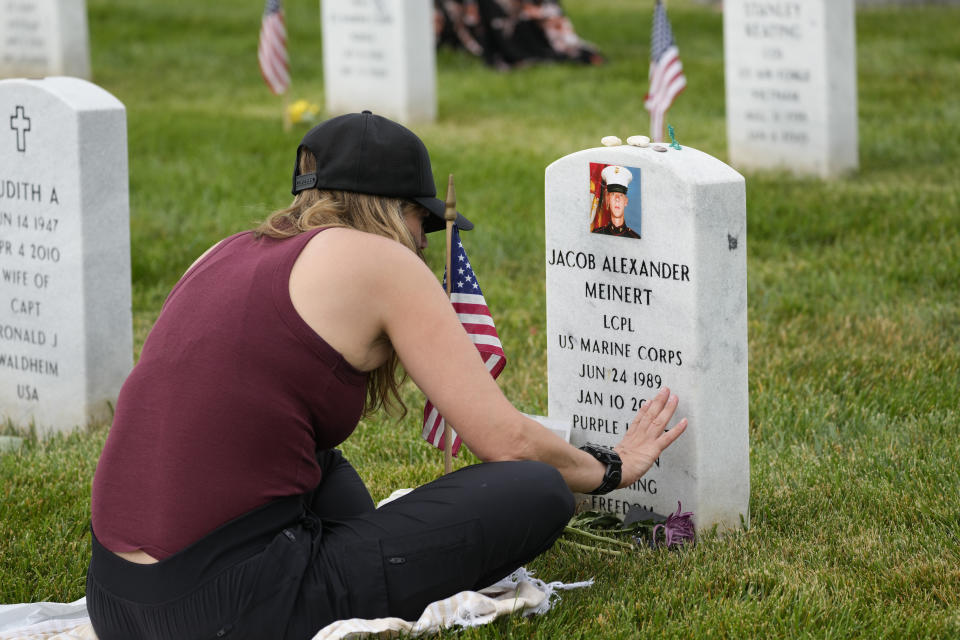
x=647, y=437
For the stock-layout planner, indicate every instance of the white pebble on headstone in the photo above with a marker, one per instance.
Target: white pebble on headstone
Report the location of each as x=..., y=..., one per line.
x=610, y=141
x=44, y=38
x=791, y=85
x=380, y=55
x=628, y=315
x=66, y=337
x=638, y=141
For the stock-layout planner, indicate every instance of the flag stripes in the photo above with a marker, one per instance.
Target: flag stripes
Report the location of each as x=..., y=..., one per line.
x=666, y=76
x=272, y=49
x=472, y=311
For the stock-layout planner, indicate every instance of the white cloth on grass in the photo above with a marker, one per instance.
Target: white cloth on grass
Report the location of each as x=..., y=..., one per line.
x=46, y=621
x=518, y=593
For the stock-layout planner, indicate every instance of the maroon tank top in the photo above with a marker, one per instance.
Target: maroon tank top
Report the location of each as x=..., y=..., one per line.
x=231, y=397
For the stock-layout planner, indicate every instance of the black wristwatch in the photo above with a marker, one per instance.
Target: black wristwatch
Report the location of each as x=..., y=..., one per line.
x=609, y=457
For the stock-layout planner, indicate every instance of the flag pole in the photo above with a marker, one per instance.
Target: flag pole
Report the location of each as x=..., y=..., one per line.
x=287, y=125
x=450, y=215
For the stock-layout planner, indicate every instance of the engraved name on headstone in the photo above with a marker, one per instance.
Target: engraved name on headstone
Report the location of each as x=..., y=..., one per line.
x=646, y=288
x=66, y=341
x=791, y=85
x=44, y=38
x=379, y=55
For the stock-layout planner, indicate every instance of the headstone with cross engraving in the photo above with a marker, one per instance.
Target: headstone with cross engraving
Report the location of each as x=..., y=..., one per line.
x=379, y=55
x=44, y=38
x=791, y=84
x=646, y=288
x=66, y=341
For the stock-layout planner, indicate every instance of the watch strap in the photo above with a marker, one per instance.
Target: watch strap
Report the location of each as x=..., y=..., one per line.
x=613, y=473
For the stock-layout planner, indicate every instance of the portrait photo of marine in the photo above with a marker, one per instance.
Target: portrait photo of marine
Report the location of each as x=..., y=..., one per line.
x=613, y=211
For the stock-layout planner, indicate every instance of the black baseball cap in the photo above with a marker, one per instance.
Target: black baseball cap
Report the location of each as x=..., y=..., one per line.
x=367, y=153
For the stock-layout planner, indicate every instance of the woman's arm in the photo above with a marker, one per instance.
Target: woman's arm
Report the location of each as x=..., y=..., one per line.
x=353, y=288
x=442, y=360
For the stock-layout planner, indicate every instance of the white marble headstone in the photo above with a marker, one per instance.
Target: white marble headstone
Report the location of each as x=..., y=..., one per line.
x=44, y=38
x=791, y=85
x=66, y=341
x=379, y=55
x=627, y=316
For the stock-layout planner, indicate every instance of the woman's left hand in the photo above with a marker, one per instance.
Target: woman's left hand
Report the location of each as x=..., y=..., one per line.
x=646, y=437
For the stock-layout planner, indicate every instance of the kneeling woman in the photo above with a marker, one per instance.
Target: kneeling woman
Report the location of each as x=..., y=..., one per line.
x=221, y=507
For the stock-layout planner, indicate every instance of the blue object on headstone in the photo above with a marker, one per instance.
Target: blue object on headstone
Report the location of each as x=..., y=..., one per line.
x=673, y=139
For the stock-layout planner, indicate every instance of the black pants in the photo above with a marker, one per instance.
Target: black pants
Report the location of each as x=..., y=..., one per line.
x=291, y=567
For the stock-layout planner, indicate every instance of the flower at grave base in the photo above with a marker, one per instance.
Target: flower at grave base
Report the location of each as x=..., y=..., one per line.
x=676, y=530
x=302, y=111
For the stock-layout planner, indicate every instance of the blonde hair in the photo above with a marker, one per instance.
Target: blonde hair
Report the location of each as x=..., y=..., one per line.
x=380, y=215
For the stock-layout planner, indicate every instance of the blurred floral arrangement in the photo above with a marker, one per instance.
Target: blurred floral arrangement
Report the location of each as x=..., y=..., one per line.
x=303, y=112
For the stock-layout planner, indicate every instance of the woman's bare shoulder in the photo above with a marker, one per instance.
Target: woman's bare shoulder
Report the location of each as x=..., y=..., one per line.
x=361, y=253
x=347, y=284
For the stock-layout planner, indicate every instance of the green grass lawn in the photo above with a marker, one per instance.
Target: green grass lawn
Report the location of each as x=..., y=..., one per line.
x=854, y=312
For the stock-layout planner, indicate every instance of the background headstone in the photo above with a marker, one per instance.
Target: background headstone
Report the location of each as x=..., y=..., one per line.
x=380, y=55
x=791, y=85
x=44, y=38
x=66, y=337
x=628, y=316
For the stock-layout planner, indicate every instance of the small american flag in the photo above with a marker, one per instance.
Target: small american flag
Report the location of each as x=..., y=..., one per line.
x=471, y=308
x=666, y=72
x=272, y=51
